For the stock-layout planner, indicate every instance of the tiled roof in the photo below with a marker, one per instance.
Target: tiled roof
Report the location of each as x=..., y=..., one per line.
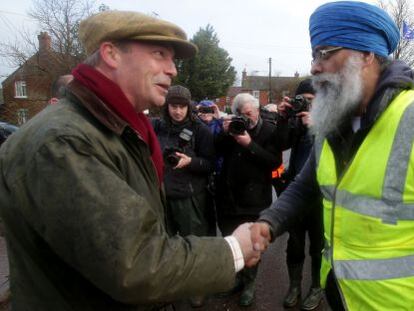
x=262, y=82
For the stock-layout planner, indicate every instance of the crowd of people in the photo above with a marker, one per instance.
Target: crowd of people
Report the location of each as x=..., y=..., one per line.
x=107, y=209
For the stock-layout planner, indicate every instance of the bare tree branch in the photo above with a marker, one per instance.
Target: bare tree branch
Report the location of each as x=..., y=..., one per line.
x=401, y=12
x=60, y=19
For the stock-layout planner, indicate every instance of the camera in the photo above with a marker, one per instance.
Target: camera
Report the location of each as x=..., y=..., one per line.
x=238, y=125
x=299, y=104
x=204, y=109
x=170, y=158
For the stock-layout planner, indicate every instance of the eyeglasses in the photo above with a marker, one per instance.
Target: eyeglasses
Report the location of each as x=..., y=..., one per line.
x=324, y=54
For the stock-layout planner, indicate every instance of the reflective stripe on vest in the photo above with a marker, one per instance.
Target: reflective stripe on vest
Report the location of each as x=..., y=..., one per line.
x=375, y=269
x=369, y=206
x=369, y=213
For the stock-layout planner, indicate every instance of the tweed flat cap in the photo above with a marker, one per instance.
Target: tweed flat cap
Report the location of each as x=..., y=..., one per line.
x=125, y=25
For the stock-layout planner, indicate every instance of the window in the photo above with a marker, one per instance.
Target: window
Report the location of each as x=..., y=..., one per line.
x=22, y=116
x=20, y=89
x=256, y=94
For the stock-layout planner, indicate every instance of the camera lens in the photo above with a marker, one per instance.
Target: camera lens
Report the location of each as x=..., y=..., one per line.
x=237, y=127
x=172, y=160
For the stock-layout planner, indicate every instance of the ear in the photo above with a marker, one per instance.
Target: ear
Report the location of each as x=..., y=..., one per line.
x=368, y=59
x=109, y=54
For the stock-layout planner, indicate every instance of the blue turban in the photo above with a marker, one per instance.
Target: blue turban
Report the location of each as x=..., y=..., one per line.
x=354, y=25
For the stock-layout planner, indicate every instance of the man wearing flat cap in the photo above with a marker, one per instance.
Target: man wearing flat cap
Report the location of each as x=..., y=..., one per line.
x=362, y=161
x=81, y=191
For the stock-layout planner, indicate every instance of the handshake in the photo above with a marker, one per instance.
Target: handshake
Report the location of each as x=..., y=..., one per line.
x=253, y=238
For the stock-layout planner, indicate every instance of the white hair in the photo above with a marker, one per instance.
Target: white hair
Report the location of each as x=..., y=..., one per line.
x=241, y=99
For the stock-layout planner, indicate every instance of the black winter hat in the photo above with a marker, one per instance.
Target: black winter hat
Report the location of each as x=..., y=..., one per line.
x=305, y=86
x=178, y=94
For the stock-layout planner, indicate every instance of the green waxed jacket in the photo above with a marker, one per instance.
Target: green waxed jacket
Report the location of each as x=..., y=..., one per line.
x=84, y=217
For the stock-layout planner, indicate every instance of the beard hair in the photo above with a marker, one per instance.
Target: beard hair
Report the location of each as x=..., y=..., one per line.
x=338, y=96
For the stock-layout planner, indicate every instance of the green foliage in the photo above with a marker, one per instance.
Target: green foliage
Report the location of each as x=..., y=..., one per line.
x=209, y=74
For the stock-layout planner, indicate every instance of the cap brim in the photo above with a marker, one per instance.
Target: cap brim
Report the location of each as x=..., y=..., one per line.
x=183, y=48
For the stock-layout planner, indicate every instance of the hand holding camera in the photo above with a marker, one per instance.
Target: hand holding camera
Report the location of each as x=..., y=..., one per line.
x=243, y=139
x=183, y=161
x=174, y=156
x=305, y=117
x=237, y=127
x=291, y=107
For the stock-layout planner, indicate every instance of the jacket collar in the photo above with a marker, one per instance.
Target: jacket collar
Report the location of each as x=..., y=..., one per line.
x=84, y=97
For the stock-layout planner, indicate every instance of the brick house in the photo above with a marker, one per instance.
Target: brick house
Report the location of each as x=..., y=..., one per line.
x=258, y=86
x=27, y=90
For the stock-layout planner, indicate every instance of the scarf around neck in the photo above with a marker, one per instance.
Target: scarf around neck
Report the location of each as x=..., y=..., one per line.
x=112, y=95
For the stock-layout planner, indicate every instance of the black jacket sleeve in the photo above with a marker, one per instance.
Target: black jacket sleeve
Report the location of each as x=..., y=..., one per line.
x=268, y=155
x=295, y=200
x=203, y=162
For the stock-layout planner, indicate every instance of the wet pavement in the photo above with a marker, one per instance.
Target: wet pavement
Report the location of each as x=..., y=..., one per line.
x=272, y=285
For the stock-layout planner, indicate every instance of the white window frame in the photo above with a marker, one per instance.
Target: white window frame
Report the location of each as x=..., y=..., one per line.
x=20, y=89
x=256, y=94
x=22, y=116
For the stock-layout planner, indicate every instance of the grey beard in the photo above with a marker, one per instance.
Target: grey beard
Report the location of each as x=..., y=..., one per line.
x=338, y=97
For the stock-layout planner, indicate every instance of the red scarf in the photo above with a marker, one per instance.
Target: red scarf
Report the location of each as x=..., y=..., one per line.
x=112, y=95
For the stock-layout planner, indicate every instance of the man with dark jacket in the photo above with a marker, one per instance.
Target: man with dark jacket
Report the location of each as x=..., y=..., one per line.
x=362, y=161
x=81, y=191
x=298, y=116
x=250, y=149
x=188, y=149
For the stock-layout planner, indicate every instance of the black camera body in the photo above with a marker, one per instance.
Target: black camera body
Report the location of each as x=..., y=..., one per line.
x=170, y=158
x=184, y=138
x=299, y=103
x=238, y=125
x=204, y=109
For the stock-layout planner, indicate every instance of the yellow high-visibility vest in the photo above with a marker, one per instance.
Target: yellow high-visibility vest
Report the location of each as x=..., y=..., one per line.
x=369, y=214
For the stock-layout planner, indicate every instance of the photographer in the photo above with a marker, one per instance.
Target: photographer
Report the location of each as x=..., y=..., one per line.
x=297, y=111
x=251, y=151
x=188, y=151
x=209, y=113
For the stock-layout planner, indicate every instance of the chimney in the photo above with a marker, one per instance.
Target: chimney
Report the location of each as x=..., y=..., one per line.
x=45, y=42
x=244, y=77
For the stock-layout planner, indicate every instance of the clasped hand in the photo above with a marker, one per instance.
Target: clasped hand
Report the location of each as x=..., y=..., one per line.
x=254, y=238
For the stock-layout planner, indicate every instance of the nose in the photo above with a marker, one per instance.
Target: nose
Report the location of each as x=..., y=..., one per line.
x=171, y=69
x=316, y=68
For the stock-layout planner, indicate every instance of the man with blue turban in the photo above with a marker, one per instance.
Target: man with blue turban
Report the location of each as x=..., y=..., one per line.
x=362, y=163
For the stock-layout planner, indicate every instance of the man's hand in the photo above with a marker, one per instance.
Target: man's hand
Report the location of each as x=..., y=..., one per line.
x=284, y=106
x=216, y=111
x=244, y=139
x=226, y=122
x=260, y=234
x=305, y=117
x=184, y=160
x=243, y=236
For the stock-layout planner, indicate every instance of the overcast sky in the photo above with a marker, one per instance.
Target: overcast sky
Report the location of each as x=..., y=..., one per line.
x=250, y=31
